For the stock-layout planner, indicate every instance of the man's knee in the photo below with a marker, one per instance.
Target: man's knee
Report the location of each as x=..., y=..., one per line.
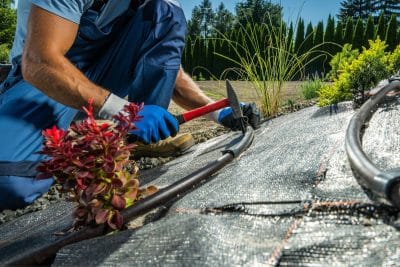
x=18, y=192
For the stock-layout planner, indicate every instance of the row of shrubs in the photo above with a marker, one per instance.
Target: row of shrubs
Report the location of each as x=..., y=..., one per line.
x=354, y=73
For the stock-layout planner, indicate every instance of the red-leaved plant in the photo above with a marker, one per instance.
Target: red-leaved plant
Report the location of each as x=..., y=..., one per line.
x=91, y=162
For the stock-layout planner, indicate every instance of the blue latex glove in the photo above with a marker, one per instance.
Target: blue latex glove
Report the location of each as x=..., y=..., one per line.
x=156, y=124
x=250, y=112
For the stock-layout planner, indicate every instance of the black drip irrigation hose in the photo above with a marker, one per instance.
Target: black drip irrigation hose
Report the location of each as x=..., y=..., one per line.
x=385, y=184
x=161, y=197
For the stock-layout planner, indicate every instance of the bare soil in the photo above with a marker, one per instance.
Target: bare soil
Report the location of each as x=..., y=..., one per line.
x=246, y=93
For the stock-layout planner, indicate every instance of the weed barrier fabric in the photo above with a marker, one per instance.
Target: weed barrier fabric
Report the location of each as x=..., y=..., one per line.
x=38, y=230
x=290, y=199
x=31, y=231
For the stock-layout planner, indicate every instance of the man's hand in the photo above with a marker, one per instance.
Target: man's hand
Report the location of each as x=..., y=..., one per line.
x=156, y=124
x=250, y=112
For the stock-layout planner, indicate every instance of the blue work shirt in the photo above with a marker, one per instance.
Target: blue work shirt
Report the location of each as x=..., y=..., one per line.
x=72, y=10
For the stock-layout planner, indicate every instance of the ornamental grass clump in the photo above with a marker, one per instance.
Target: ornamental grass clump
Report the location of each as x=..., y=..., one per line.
x=91, y=162
x=264, y=56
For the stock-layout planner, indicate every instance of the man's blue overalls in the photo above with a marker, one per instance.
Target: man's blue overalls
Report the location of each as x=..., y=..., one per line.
x=138, y=56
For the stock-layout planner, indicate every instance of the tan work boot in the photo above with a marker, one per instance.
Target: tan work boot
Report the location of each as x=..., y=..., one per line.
x=170, y=147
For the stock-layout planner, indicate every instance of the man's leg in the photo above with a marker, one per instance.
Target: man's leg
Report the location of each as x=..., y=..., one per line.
x=24, y=113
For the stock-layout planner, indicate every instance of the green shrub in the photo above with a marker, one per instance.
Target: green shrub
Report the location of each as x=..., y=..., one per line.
x=394, y=60
x=368, y=69
x=4, y=53
x=336, y=92
x=358, y=75
x=341, y=59
x=310, y=88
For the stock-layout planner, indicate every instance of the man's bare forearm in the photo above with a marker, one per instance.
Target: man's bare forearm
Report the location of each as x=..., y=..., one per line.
x=44, y=65
x=59, y=79
x=187, y=93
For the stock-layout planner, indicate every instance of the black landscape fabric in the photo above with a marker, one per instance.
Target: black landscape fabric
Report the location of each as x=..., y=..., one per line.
x=290, y=199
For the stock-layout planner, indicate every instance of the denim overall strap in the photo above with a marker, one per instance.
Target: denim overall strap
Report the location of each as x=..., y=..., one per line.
x=20, y=168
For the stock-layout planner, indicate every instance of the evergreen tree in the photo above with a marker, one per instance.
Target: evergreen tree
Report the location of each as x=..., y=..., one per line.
x=8, y=20
x=319, y=34
x=388, y=8
x=381, y=30
x=398, y=36
x=258, y=12
x=358, y=37
x=369, y=31
x=202, y=21
x=329, y=39
x=223, y=21
x=290, y=35
x=308, y=46
x=6, y=3
x=348, y=33
x=356, y=9
x=329, y=36
x=298, y=43
x=194, y=24
x=339, y=33
x=391, y=33
x=207, y=17
x=309, y=38
x=318, y=65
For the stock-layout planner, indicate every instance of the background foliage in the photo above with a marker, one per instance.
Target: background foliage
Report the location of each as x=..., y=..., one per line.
x=8, y=20
x=355, y=73
x=357, y=22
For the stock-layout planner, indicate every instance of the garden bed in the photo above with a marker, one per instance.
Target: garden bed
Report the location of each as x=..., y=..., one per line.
x=201, y=129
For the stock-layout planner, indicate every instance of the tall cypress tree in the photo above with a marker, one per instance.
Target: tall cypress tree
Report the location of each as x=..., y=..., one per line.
x=186, y=57
x=348, y=33
x=309, y=46
x=381, y=30
x=290, y=44
x=319, y=34
x=369, y=31
x=330, y=30
x=298, y=43
x=339, y=33
x=318, y=41
x=391, y=33
x=329, y=36
x=309, y=38
x=358, y=37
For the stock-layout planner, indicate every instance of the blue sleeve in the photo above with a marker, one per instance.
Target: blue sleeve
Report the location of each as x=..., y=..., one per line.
x=71, y=10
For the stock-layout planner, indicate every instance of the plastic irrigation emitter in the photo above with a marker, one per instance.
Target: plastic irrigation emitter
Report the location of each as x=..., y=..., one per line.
x=163, y=196
x=385, y=184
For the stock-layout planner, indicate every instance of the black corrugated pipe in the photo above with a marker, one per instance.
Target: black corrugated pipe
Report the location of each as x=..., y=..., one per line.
x=385, y=184
x=141, y=207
